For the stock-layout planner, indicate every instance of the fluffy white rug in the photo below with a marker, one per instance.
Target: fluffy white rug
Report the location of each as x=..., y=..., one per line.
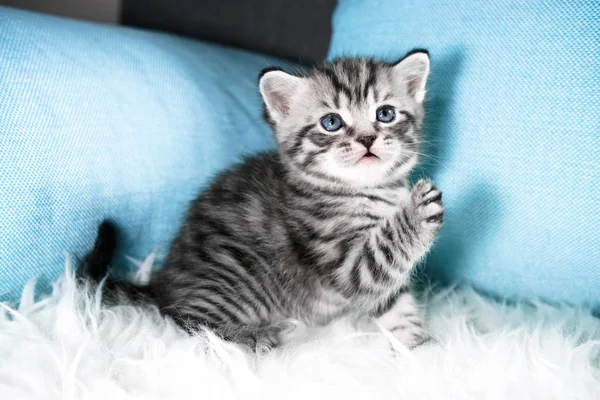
x=67, y=346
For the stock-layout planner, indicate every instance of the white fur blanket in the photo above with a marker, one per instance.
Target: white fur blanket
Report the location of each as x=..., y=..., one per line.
x=68, y=346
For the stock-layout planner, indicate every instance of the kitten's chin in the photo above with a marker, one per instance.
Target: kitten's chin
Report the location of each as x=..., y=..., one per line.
x=371, y=171
x=367, y=172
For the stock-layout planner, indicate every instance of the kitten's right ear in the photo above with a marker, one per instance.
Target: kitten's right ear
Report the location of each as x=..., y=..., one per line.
x=278, y=89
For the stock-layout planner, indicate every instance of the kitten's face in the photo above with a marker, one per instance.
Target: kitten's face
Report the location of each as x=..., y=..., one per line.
x=355, y=121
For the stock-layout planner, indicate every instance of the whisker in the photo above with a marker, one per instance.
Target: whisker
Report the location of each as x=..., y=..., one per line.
x=428, y=141
x=428, y=156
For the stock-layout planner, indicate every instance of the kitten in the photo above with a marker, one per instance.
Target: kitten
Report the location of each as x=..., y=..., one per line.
x=325, y=226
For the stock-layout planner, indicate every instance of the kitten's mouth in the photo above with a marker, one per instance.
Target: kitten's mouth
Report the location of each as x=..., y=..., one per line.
x=368, y=158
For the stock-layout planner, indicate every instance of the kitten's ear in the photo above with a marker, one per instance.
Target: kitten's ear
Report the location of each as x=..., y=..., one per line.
x=278, y=89
x=413, y=70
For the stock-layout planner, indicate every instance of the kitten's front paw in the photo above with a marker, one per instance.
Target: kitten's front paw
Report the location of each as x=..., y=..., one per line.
x=412, y=336
x=427, y=201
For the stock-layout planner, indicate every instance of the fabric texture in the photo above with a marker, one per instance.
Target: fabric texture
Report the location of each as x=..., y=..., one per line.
x=512, y=131
x=108, y=122
x=69, y=347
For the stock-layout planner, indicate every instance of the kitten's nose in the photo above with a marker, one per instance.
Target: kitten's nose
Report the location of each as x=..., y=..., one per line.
x=366, y=141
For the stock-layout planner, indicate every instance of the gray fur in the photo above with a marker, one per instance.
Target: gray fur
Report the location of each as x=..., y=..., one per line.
x=312, y=232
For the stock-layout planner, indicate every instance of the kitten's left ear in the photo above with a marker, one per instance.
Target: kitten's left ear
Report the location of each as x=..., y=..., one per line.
x=414, y=70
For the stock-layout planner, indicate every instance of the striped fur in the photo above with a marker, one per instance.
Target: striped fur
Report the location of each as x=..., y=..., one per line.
x=315, y=230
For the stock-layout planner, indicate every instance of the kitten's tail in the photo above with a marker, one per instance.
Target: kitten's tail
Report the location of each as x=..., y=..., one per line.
x=96, y=266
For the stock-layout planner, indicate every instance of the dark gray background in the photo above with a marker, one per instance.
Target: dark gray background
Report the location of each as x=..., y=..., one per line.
x=295, y=29
x=93, y=10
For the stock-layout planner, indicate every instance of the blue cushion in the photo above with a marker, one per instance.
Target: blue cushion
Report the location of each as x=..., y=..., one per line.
x=101, y=121
x=513, y=131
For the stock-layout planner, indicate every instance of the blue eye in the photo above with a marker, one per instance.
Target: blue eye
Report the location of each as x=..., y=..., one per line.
x=331, y=122
x=385, y=114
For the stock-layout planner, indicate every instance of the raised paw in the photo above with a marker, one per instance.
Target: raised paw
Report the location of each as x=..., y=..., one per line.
x=427, y=200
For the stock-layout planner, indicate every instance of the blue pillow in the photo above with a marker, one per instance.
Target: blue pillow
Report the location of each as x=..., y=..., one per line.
x=101, y=121
x=513, y=131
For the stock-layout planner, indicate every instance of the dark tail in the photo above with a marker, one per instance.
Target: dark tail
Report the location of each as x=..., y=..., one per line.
x=96, y=266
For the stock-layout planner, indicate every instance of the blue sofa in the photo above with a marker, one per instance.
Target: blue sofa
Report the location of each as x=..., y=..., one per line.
x=100, y=121
x=513, y=132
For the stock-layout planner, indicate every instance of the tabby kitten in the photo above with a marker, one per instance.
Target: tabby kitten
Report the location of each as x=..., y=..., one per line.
x=325, y=226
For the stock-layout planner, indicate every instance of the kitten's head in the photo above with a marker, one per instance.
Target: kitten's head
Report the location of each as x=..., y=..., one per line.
x=356, y=121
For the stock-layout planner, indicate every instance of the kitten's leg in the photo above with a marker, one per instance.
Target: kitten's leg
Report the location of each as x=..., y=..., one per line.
x=420, y=221
x=402, y=317
x=418, y=225
x=271, y=335
x=389, y=251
